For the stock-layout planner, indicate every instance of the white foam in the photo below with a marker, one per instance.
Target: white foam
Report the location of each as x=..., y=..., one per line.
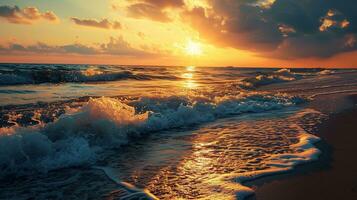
x=132, y=190
x=78, y=136
x=29, y=151
x=279, y=76
x=326, y=72
x=304, y=151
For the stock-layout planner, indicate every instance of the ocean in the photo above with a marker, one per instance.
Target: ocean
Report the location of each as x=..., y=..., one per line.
x=147, y=132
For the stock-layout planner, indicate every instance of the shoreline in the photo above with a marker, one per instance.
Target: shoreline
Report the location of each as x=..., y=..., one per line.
x=332, y=176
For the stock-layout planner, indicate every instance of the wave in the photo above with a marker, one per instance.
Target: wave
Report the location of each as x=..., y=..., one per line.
x=64, y=76
x=326, y=72
x=232, y=182
x=13, y=79
x=279, y=76
x=80, y=135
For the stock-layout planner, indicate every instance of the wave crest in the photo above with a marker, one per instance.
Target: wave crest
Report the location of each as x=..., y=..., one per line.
x=78, y=136
x=68, y=76
x=279, y=76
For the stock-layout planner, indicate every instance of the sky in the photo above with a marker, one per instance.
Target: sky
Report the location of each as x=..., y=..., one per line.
x=245, y=33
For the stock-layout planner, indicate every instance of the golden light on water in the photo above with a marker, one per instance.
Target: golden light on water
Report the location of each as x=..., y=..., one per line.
x=188, y=76
x=190, y=68
x=190, y=84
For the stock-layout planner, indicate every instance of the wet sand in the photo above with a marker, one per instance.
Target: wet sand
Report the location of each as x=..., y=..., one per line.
x=333, y=176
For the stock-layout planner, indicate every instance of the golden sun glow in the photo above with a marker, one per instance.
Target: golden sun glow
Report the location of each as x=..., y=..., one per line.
x=193, y=48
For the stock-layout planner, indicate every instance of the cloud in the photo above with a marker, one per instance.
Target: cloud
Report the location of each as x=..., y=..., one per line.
x=42, y=48
x=153, y=9
x=118, y=46
x=115, y=46
x=333, y=19
x=147, y=11
x=26, y=15
x=104, y=23
x=286, y=29
x=165, y=3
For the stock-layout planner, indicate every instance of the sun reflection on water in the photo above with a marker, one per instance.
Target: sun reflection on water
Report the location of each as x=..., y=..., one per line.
x=189, y=84
x=191, y=68
x=188, y=75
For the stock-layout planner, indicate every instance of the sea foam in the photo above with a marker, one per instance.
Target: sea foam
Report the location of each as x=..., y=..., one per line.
x=303, y=151
x=77, y=137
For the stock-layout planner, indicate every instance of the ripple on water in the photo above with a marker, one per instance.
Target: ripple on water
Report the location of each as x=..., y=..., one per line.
x=211, y=161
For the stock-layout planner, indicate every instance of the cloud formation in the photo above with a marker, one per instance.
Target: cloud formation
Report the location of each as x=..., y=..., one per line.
x=153, y=9
x=26, y=15
x=115, y=46
x=285, y=29
x=278, y=28
x=118, y=46
x=43, y=48
x=165, y=3
x=104, y=23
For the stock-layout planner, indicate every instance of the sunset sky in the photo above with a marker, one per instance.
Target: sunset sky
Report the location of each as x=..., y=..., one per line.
x=266, y=33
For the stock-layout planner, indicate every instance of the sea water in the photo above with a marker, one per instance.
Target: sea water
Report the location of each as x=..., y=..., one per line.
x=106, y=132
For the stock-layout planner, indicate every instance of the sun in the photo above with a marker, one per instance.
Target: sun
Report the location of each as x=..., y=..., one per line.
x=193, y=48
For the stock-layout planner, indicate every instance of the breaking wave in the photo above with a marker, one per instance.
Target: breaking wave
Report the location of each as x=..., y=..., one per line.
x=80, y=135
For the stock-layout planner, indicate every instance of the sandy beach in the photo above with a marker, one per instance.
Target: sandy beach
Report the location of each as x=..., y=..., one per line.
x=333, y=176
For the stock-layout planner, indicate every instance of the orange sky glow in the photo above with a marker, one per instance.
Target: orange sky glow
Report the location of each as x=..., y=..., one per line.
x=174, y=32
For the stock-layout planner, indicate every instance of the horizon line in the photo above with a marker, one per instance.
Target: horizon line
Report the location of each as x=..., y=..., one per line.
x=146, y=65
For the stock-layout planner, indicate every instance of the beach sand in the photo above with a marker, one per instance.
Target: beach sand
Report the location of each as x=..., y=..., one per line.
x=333, y=176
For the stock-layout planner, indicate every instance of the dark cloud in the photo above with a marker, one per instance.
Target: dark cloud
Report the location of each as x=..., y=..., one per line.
x=104, y=23
x=153, y=9
x=115, y=46
x=281, y=28
x=26, y=15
